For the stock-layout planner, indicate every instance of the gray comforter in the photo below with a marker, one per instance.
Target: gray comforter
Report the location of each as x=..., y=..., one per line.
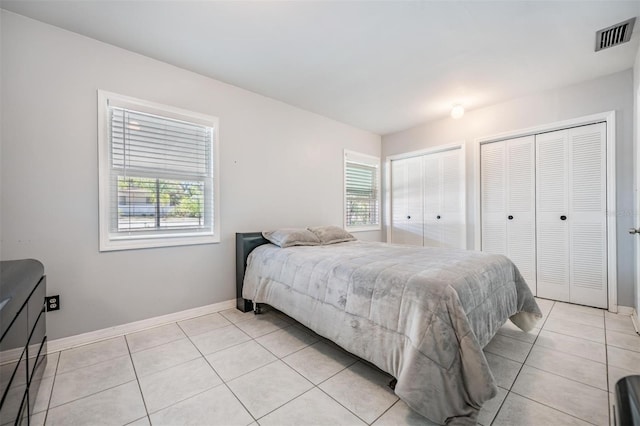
x=421, y=314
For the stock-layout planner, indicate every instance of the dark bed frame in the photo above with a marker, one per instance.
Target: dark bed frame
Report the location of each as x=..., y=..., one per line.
x=245, y=243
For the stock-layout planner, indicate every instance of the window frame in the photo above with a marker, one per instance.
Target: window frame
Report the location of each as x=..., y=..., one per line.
x=367, y=160
x=110, y=241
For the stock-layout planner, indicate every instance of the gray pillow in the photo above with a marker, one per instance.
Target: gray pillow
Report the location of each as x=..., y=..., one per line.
x=287, y=237
x=331, y=234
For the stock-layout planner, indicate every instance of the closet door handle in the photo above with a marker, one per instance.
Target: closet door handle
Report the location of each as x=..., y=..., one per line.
x=563, y=217
x=510, y=217
x=438, y=217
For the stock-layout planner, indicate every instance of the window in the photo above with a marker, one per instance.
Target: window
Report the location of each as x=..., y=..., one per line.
x=158, y=180
x=361, y=192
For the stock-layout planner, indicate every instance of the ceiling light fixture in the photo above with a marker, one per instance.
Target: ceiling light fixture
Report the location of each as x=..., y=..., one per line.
x=457, y=111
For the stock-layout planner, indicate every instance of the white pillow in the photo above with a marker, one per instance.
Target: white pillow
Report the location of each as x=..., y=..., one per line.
x=331, y=234
x=288, y=237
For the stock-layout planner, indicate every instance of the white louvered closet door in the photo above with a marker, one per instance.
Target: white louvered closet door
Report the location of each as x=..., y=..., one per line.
x=452, y=207
x=432, y=169
x=552, y=183
x=587, y=215
x=572, y=215
x=406, y=201
x=444, y=199
x=493, y=187
x=508, y=203
x=520, y=203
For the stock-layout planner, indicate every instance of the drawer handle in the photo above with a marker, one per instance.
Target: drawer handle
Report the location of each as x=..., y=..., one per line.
x=510, y=217
x=563, y=217
x=438, y=217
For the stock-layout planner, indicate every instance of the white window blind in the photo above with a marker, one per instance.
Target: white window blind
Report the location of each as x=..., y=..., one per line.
x=158, y=183
x=151, y=143
x=362, y=191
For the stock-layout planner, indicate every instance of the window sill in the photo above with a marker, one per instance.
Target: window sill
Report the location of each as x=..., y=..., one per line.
x=363, y=228
x=125, y=243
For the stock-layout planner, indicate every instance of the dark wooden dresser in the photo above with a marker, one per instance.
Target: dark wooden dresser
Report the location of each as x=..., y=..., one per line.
x=23, y=341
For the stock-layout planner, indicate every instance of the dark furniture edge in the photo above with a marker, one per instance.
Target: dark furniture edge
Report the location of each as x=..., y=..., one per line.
x=245, y=243
x=628, y=400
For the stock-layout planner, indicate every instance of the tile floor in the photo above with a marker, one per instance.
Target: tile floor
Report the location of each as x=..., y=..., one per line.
x=230, y=368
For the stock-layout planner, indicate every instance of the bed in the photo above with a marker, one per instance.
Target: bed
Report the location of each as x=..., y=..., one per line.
x=421, y=314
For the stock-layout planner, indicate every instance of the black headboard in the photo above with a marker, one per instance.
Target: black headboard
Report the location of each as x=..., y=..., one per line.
x=245, y=243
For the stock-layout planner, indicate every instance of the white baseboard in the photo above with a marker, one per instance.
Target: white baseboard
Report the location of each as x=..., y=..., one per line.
x=628, y=310
x=635, y=321
x=12, y=355
x=120, y=330
x=625, y=310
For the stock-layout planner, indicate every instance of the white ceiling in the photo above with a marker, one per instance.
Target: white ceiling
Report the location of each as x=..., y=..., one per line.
x=382, y=66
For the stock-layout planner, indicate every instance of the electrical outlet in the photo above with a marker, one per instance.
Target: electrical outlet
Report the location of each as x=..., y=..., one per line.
x=53, y=303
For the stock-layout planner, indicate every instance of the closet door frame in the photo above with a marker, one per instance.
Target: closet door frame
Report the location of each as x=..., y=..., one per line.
x=610, y=118
x=432, y=150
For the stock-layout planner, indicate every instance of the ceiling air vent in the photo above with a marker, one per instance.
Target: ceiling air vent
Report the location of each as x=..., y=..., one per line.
x=615, y=34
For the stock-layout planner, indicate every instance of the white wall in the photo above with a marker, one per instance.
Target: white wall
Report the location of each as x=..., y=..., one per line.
x=608, y=93
x=279, y=166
